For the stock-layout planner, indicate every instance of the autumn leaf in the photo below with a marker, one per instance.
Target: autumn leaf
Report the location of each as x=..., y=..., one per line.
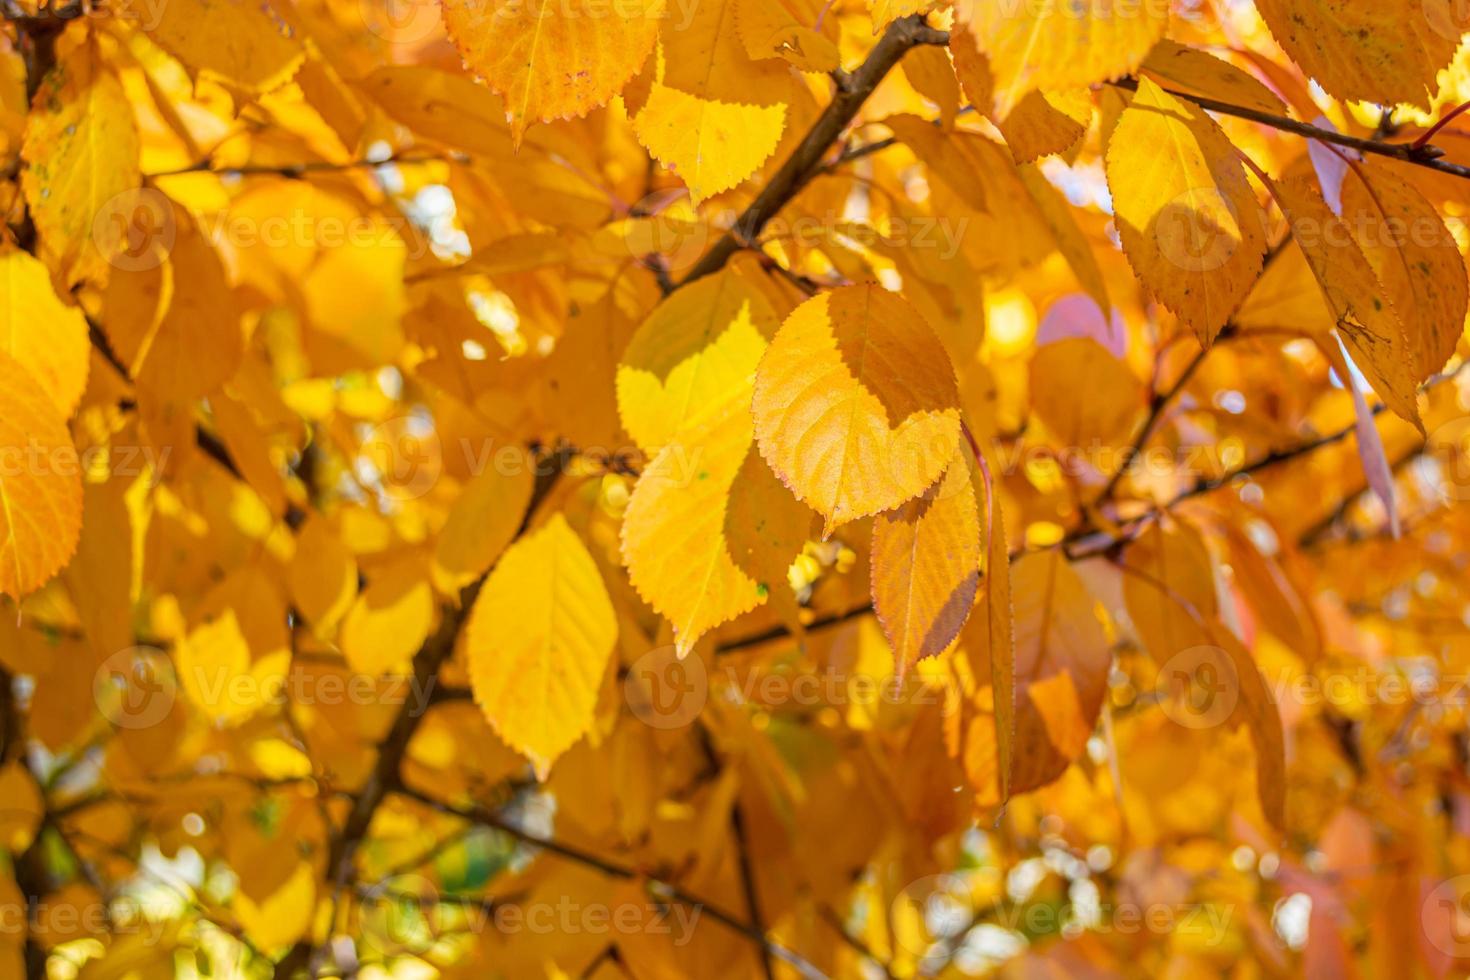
x=714, y=114
x=40, y=487
x=1061, y=666
x=859, y=382
x=1050, y=45
x=1414, y=256
x=538, y=642
x=926, y=565
x=1191, y=225
x=250, y=45
x=56, y=357
x=1365, y=316
x=532, y=53
x=1380, y=52
x=81, y=151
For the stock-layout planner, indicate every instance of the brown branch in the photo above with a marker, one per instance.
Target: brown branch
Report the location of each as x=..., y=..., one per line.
x=806, y=161
x=1092, y=542
x=1411, y=153
x=308, y=167
x=657, y=886
x=747, y=884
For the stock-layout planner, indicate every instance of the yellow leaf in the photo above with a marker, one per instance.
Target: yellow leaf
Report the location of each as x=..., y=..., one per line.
x=245, y=42
x=926, y=565
x=998, y=616
x=693, y=361
x=538, y=642
x=1198, y=73
x=285, y=915
x=984, y=732
x=214, y=665
x=1415, y=258
x=767, y=528
x=1059, y=44
x=40, y=484
x=1178, y=557
x=1062, y=661
x=713, y=115
x=45, y=336
x=323, y=576
x=175, y=325
x=674, y=539
x=685, y=386
x=856, y=404
x=1086, y=396
x=81, y=154
x=101, y=575
x=1365, y=316
x=955, y=158
x=929, y=71
x=1386, y=51
x=886, y=12
x=484, y=519
x=1044, y=123
x=1040, y=124
x=389, y=620
x=552, y=59
x=784, y=29
x=1191, y=225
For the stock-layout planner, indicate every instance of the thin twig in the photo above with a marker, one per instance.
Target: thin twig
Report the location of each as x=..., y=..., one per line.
x=658, y=887
x=805, y=162
x=1411, y=153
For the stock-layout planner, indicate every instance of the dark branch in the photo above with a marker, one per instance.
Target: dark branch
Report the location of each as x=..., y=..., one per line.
x=806, y=162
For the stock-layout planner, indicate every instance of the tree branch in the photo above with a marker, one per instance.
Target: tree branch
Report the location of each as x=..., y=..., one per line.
x=1413, y=153
x=660, y=888
x=806, y=161
x=1092, y=542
